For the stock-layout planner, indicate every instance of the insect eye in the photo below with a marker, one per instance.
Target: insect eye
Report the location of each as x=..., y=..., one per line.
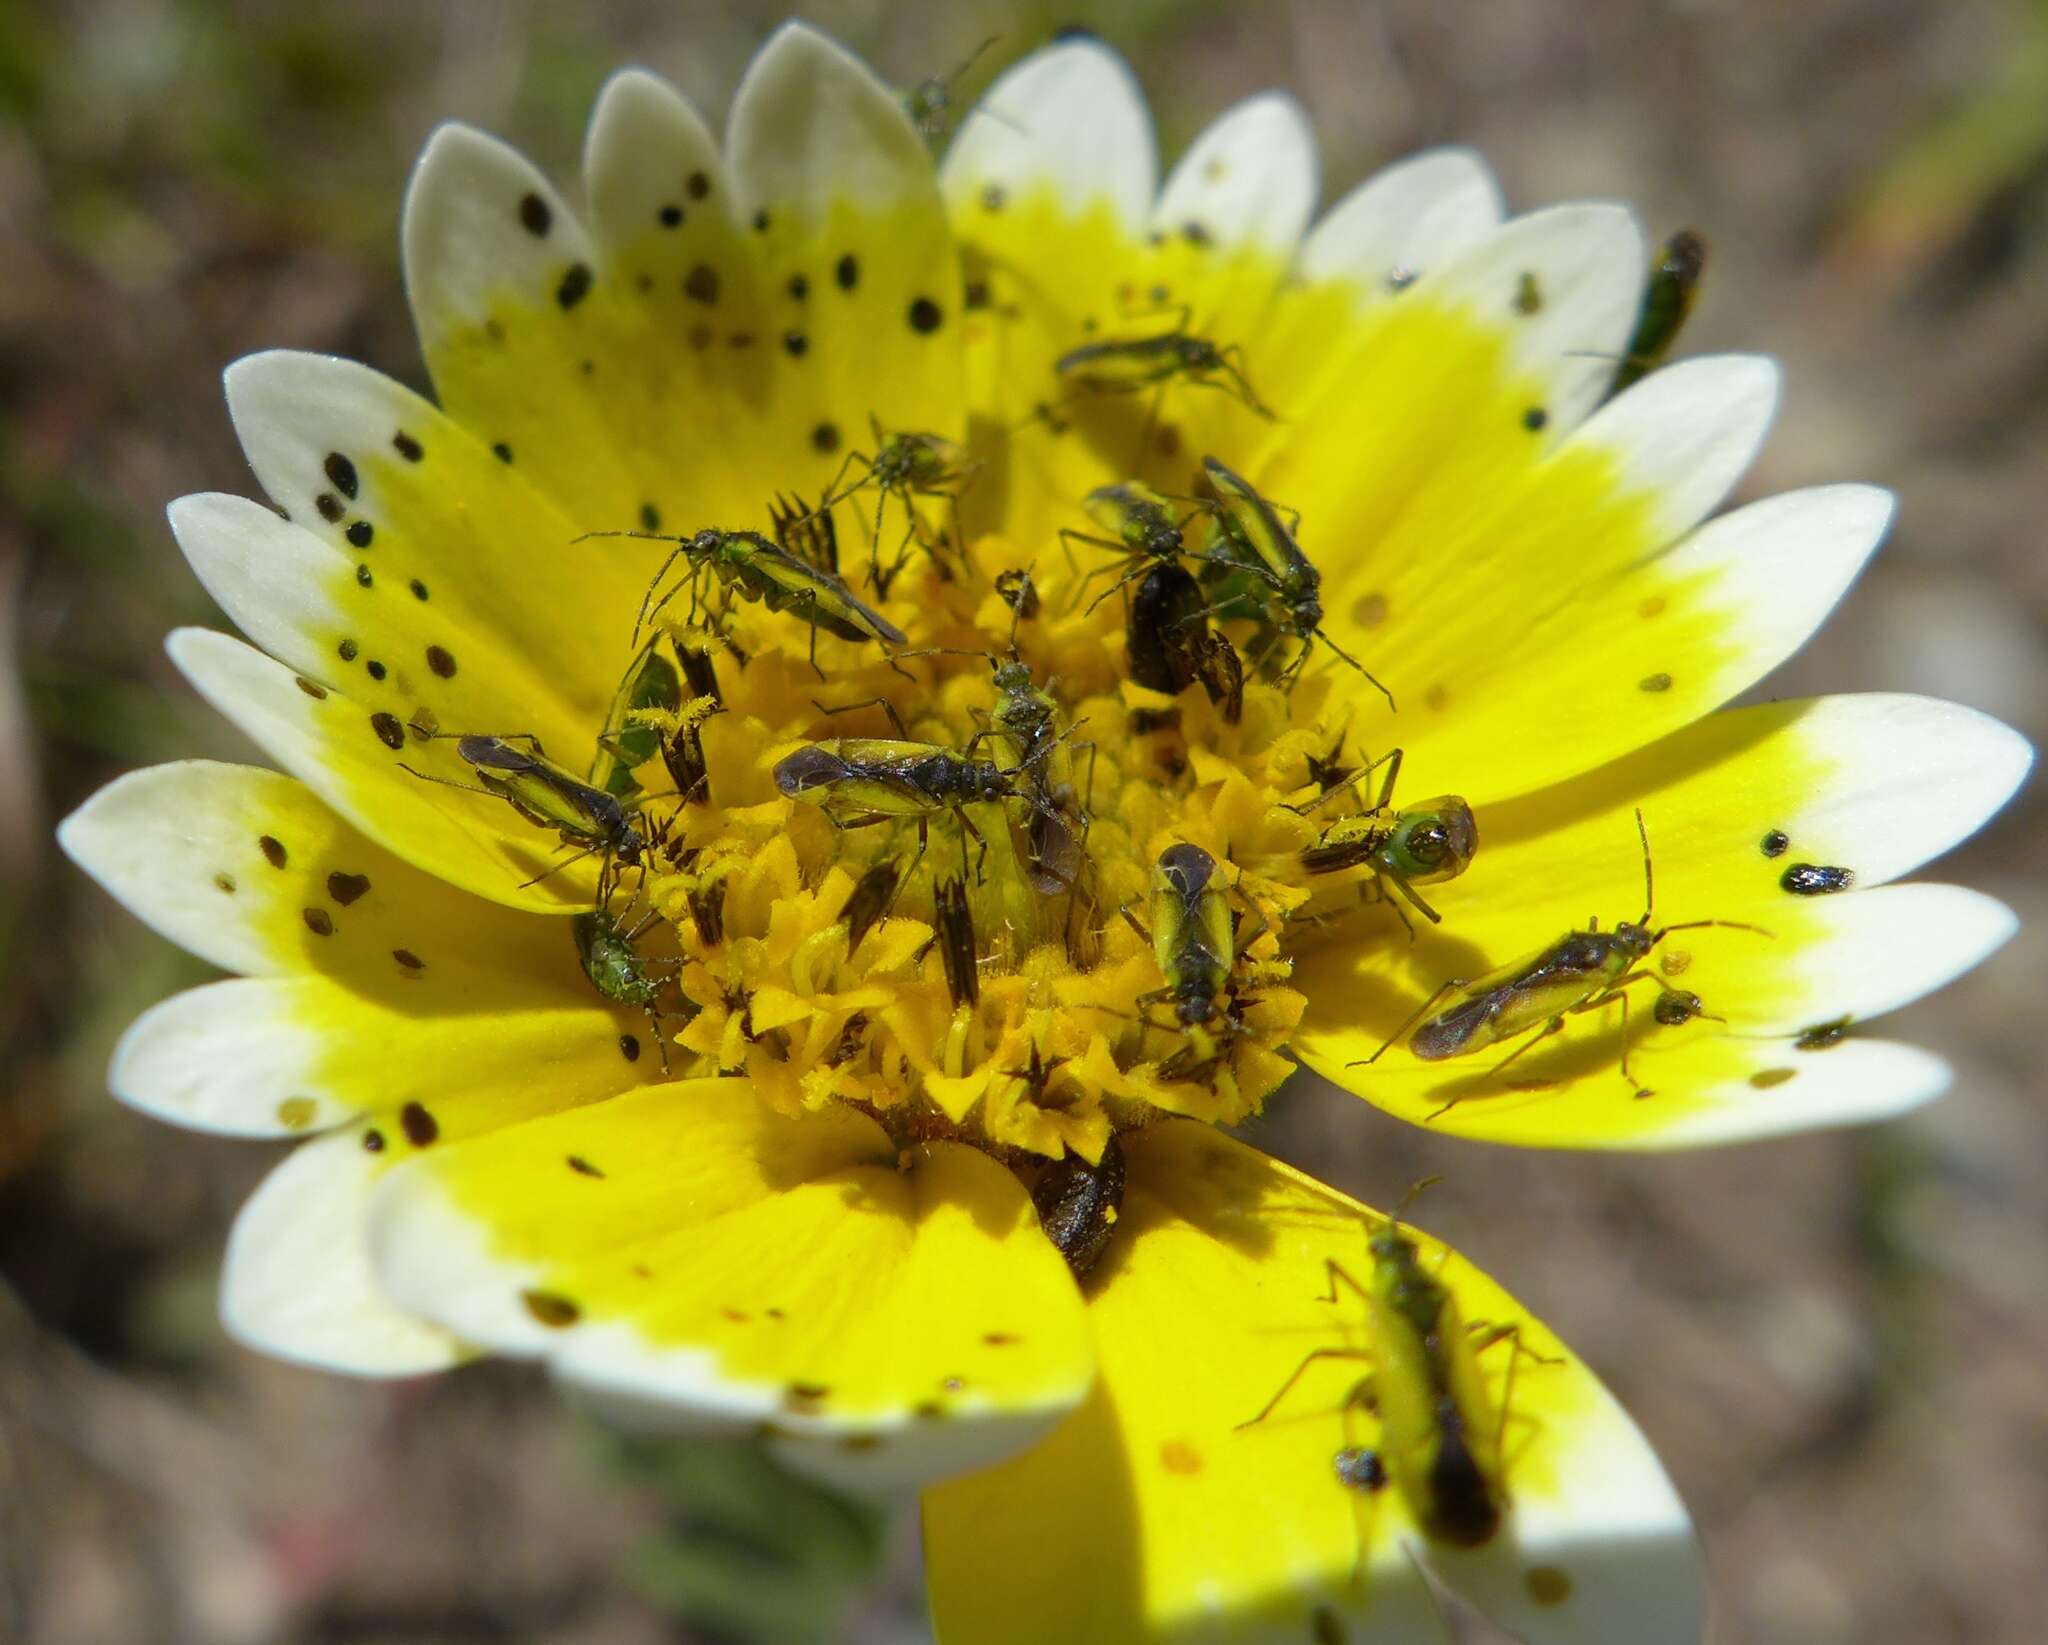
x=1425, y=846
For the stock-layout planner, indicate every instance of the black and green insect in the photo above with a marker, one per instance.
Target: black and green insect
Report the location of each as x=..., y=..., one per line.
x=953, y=930
x=1668, y=297
x=929, y=103
x=747, y=566
x=1254, y=569
x=863, y=782
x=628, y=739
x=1440, y=1434
x=1581, y=971
x=908, y=466
x=1022, y=732
x=609, y=950
x=1195, y=942
x=1423, y=844
x=548, y=796
x=1131, y=365
x=1143, y=529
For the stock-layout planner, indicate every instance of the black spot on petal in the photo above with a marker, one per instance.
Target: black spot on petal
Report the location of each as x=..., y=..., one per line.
x=847, y=272
x=361, y=532
x=318, y=921
x=926, y=316
x=407, y=447
x=534, y=215
x=343, y=473
x=329, y=507
x=700, y=285
x=346, y=888
x=502, y=452
x=575, y=285
x=441, y=662
x=670, y=216
x=389, y=732
x=556, y=1312
x=697, y=186
x=420, y=1127
x=273, y=850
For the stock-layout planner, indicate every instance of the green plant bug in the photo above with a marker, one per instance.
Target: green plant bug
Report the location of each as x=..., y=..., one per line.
x=548, y=797
x=1255, y=568
x=1580, y=971
x=1668, y=297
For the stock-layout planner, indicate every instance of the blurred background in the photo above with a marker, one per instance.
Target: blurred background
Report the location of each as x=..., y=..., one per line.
x=1839, y=1344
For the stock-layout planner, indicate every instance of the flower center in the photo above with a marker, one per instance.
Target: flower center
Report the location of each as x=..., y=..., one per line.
x=999, y=882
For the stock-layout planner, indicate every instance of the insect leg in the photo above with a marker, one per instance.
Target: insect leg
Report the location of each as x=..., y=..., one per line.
x=1294, y=1376
x=1323, y=634
x=1409, y=892
x=1535, y=1038
x=446, y=782
x=1414, y=1017
x=1613, y=993
x=883, y=703
x=573, y=857
x=1400, y=913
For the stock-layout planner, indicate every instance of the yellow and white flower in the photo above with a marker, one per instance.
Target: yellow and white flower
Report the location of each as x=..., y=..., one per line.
x=809, y=1217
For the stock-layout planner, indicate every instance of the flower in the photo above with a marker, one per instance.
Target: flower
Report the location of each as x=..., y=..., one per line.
x=730, y=1115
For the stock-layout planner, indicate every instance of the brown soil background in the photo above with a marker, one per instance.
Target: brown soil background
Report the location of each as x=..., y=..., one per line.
x=1838, y=1343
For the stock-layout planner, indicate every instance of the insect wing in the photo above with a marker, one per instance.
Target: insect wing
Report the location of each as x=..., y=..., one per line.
x=1518, y=996
x=1345, y=843
x=811, y=768
x=651, y=682
x=1121, y=509
x=541, y=790
x=1256, y=524
x=1221, y=672
x=1191, y=937
x=1437, y=1424
x=1131, y=364
x=1166, y=629
x=782, y=582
